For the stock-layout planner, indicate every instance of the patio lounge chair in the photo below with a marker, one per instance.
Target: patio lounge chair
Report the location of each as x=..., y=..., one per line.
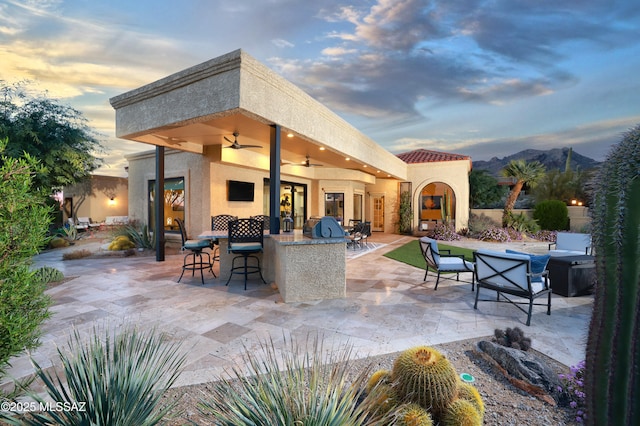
x=570, y=244
x=443, y=262
x=512, y=274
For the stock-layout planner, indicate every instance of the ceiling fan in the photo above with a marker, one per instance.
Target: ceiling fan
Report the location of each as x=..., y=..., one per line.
x=236, y=145
x=308, y=163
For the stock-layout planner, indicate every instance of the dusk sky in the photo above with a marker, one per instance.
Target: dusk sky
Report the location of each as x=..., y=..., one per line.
x=479, y=78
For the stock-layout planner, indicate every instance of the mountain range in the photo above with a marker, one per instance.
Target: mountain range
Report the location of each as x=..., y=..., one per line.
x=552, y=159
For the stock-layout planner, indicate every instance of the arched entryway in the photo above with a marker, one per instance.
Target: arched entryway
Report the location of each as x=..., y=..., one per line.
x=437, y=205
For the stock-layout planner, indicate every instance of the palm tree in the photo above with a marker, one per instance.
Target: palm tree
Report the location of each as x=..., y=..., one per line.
x=523, y=173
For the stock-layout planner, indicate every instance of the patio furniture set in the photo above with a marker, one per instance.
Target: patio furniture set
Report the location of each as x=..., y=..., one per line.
x=515, y=276
x=292, y=257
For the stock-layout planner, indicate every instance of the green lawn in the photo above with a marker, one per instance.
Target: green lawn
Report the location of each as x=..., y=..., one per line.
x=411, y=255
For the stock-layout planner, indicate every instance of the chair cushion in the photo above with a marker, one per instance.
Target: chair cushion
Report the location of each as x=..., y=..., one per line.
x=538, y=263
x=454, y=264
x=196, y=244
x=245, y=247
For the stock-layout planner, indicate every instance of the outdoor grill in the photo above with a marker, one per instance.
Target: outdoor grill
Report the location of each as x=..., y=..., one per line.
x=323, y=227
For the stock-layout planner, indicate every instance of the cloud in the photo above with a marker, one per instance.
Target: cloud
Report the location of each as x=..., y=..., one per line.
x=72, y=56
x=397, y=53
x=282, y=43
x=593, y=140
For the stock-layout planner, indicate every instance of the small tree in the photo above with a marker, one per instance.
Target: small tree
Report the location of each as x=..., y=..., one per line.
x=24, y=222
x=57, y=135
x=525, y=174
x=484, y=190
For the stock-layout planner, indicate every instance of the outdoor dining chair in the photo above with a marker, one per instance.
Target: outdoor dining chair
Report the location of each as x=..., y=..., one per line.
x=246, y=238
x=447, y=263
x=194, y=261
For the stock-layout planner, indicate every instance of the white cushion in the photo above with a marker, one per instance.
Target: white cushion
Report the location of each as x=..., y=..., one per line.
x=454, y=264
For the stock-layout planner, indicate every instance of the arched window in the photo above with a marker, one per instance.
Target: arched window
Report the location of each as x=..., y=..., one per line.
x=437, y=205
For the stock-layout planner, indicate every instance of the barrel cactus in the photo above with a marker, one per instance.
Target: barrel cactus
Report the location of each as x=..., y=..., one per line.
x=382, y=399
x=425, y=376
x=412, y=415
x=612, y=375
x=469, y=393
x=379, y=377
x=121, y=242
x=461, y=413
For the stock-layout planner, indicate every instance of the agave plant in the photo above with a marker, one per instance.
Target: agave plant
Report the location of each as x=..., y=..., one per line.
x=114, y=379
x=300, y=386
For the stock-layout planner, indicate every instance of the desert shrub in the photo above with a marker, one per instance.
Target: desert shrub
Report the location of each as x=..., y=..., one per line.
x=552, y=215
x=24, y=223
x=445, y=232
x=137, y=233
x=521, y=223
x=76, y=254
x=302, y=385
x=480, y=223
x=500, y=235
x=544, y=235
x=121, y=377
x=47, y=274
x=573, y=388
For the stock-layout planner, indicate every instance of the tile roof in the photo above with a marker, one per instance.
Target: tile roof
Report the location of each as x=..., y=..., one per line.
x=426, y=156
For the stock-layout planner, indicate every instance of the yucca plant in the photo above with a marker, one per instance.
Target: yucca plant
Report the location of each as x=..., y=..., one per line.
x=299, y=386
x=112, y=379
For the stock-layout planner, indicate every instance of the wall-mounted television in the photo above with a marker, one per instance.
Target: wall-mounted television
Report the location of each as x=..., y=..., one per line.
x=240, y=191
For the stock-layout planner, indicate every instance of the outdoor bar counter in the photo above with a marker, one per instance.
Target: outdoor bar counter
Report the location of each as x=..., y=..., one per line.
x=303, y=268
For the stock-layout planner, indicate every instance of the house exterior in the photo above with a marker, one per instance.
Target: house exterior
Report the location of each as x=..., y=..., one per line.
x=97, y=198
x=304, y=160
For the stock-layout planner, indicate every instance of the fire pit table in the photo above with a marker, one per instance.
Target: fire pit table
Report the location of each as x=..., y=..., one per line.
x=571, y=275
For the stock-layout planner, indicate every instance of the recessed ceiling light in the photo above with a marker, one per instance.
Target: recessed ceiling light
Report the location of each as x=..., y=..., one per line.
x=365, y=166
x=347, y=159
x=289, y=135
x=377, y=171
x=322, y=148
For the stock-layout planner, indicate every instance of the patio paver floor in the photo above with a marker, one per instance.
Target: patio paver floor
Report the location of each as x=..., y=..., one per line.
x=388, y=308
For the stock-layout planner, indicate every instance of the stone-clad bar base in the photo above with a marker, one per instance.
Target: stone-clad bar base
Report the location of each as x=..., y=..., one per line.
x=306, y=269
x=303, y=269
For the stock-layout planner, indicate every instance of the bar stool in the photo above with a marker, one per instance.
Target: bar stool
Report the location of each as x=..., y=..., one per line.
x=196, y=247
x=246, y=240
x=220, y=223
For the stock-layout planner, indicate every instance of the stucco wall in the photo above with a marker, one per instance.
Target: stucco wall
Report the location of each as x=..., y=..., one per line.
x=453, y=173
x=177, y=164
x=387, y=188
x=579, y=219
x=97, y=206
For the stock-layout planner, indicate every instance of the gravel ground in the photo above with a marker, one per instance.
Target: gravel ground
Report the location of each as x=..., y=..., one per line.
x=505, y=404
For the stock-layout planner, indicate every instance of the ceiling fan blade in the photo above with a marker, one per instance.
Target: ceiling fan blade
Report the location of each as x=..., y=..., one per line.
x=170, y=140
x=236, y=145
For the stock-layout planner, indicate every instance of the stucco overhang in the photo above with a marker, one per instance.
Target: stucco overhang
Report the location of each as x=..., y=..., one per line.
x=199, y=106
